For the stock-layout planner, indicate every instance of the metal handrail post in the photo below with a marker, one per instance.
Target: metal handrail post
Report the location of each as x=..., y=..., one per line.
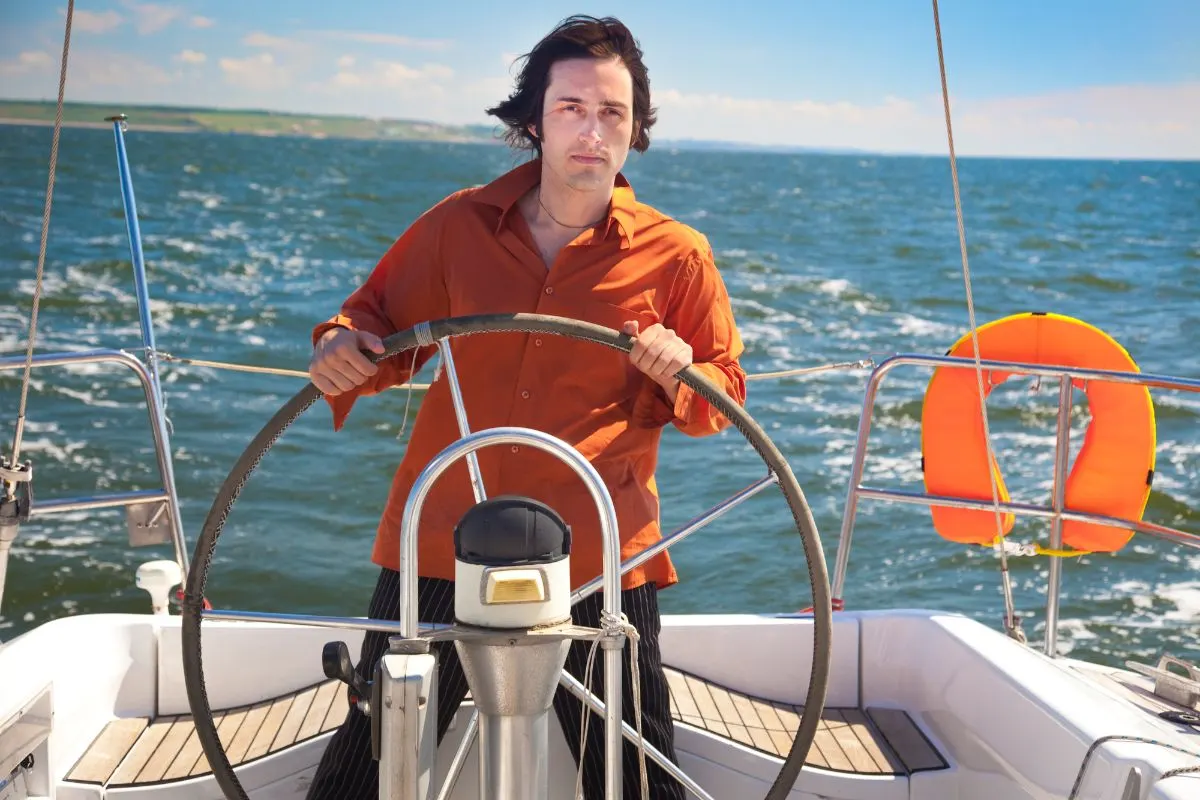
x=1062, y=451
x=157, y=430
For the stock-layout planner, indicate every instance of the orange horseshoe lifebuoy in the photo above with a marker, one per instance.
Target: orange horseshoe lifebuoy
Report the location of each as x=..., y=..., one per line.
x=1114, y=469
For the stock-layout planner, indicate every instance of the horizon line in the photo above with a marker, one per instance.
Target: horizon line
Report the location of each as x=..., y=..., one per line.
x=714, y=145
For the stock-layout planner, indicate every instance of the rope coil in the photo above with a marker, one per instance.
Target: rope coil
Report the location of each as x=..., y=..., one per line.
x=611, y=626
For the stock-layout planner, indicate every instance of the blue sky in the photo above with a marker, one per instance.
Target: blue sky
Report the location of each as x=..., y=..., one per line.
x=1107, y=79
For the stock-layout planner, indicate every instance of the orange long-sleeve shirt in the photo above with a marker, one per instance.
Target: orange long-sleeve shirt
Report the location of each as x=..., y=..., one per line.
x=473, y=253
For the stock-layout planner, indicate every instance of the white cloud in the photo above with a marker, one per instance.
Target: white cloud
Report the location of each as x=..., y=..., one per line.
x=1141, y=121
x=1158, y=121
x=256, y=73
x=396, y=40
x=117, y=69
x=799, y=122
x=269, y=41
x=151, y=17
x=201, y=22
x=29, y=61
x=304, y=72
x=95, y=21
x=89, y=69
x=395, y=75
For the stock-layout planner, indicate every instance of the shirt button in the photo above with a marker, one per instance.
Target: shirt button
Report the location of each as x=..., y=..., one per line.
x=537, y=342
x=549, y=290
x=525, y=395
x=515, y=448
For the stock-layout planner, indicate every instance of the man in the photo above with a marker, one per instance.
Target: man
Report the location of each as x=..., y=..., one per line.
x=561, y=235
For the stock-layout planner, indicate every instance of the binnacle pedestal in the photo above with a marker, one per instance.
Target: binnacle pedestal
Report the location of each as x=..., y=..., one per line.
x=513, y=609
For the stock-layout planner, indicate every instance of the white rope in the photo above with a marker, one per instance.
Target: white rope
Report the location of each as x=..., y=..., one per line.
x=1010, y=623
x=610, y=625
x=424, y=333
x=287, y=373
x=864, y=363
x=18, y=434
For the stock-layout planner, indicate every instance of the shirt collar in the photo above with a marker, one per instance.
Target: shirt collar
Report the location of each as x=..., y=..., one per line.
x=504, y=191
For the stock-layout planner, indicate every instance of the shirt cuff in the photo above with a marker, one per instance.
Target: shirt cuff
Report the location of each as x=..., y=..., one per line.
x=340, y=321
x=652, y=408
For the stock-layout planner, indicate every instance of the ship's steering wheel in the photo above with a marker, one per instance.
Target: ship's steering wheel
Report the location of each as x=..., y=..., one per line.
x=193, y=599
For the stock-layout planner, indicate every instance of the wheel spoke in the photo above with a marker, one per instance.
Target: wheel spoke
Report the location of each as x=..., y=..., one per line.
x=460, y=756
x=460, y=411
x=572, y=684
x=679, y=534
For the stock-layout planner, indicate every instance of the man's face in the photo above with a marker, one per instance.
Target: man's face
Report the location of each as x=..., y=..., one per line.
x=587, y=122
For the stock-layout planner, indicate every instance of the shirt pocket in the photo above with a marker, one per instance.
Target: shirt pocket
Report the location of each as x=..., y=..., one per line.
x=599, y=366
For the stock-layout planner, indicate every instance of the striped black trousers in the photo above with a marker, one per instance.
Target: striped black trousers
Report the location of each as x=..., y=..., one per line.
x=348, y=772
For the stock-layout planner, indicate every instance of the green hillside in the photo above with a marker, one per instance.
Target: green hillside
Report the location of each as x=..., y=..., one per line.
x=265, y=123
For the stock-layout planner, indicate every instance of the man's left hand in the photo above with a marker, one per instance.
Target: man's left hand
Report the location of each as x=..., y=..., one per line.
x=660, y=353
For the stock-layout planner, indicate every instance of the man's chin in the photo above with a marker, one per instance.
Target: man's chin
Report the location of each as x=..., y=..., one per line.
x=600, y=176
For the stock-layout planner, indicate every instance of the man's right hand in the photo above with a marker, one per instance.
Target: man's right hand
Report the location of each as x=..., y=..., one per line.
x=338, y=364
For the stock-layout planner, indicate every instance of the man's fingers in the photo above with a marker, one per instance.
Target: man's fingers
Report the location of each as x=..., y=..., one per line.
x=339, y=381
x=658, y=352
x=351, y=371
x=325, y=385
x=338, y=363
x=353, y=363
x=668, y=360
x=369, y=341
x=645, y=347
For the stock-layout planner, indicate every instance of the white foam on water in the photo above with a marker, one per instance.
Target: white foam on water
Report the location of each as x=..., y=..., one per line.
x=25, y=544
x=233, y=230
x=207, y=199
x=187, y=245
x=1072, y=632
x=1186, y=597
x=115, y=240
x=910, y=325
x=53, y=282
x=36, y=426
x=835, y=286
x=62, y=452
x=87, y=398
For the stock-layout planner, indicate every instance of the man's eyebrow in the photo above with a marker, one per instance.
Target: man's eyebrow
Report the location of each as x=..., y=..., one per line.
x=610, y=103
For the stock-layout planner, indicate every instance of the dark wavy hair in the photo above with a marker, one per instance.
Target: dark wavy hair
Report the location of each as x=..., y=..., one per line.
x=575, y=37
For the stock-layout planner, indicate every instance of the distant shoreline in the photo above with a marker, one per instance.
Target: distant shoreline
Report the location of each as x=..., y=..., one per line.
x=187, y=119
x=172, y=119
x=49, y=123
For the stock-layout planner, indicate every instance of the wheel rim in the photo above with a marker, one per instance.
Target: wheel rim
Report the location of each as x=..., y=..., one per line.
x=243, y=468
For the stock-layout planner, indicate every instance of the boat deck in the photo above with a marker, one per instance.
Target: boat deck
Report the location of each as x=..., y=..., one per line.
x=140, y=750
x=880, y=741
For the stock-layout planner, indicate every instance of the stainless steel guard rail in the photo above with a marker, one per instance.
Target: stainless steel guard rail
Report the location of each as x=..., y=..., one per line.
x=158, y=430
x=1056, y=512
